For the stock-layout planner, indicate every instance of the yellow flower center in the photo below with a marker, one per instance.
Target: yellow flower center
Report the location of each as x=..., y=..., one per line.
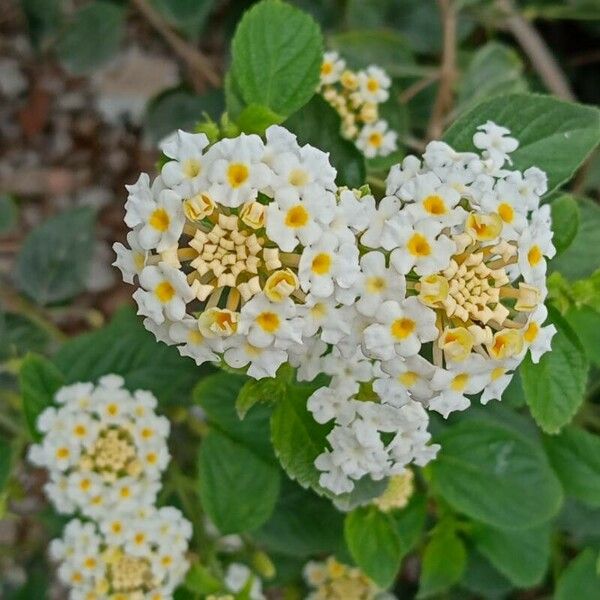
x=376, y=285
x=192, y=168
x=164, y=292
x=534, y=256
x=297, y=216
x=160, y=220
x=402, y=328
x=321, y=264
x=376, y=139
x=418, y=245
x=531, y=332
x=435, y=205
x=408, y=379
x=372, y=84
x=506, y=212
x=237, y=174
x=268, y=321
x=459, y=382
x=326, y=68
x=298, y=177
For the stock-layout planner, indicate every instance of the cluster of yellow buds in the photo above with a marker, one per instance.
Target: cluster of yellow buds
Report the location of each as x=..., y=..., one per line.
x=356, y=96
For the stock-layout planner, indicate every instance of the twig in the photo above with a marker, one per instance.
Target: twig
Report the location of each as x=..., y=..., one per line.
x=199, y=65
x=418, y=86
x=443, y=100
x=537, y=51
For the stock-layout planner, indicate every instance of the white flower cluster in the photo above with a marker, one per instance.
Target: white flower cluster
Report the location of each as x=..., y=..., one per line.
x=249, y=253
x=356, y=96
x=242, y=251
x=140, y=557
x=333, y=580
x=449, y=299
x=105, y=450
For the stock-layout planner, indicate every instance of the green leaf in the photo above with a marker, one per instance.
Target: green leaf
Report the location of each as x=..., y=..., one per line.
x=39, y=380
x=319, y=124
x=483, y=579
x=53, y=262
x=565, y=221
x=555, y=387
x=386, y=49
x=255, y=118
x=410, y=522
x=297, y=438
x=201, y=581
x=580, y=580
x=585, y=321
x=374, y=544
x=522, y=555
x=43, y=19
x=582, y=257
x=9, y=214
x=444, y=562
x=91, y=37
x=302, y=524
x=19, y=335
x=495, y=475
x=238, y=489
x=189, y=16
x=124, y=347
x=179, y=109
x=276, y=56
x=575, y=456
x=254, y=391
x=493, y=70
x=5, y=461
x=553, y=135
x=217, y=395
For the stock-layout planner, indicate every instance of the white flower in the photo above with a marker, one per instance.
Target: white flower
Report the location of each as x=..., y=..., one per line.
x=357, y=210
x=193, y=343
x=263, y=362
x=386, y=209
x=495, y=142
x=499, y=379
x=328, y=264
x=269, y=323
x=533, y=245
x=373, y=84
x=344, y=369
x=291, y=221
x=436, y=201
x=301, y=171
x=188, y=164
x=402, y=378
x=307, y=358
x=377, y=139
x=165, y=293
x=324, y=314
x=536, y=338
x=333, y=402
x=238, y=576
x=331, y=68
x=400, y=174
x=377, y=283
x=468, y=377
x=399, y=330
x=236, y=172
x=130, y=261
x=421, y=246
